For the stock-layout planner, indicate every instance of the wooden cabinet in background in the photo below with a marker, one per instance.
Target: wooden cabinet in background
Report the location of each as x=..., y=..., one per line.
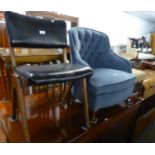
x=3, y=36
x=152, y=42
x=53, y=15
x=3, y=44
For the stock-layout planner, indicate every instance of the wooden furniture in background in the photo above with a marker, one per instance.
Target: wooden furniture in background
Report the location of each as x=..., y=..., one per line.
x=52, y=15
x=148, y=64
x=3, y=44
x=63, y=124
x=152, y=42
x=3, y=35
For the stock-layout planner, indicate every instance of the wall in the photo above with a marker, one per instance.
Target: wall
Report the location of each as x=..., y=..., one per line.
x=135, y=27
x=110, y=23
x=117, y=24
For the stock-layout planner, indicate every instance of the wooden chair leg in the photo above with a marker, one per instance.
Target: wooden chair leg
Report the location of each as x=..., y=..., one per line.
x=85, y=102
x=13, y=99
x=14, y=104
x=66, y=94
x=22, y=109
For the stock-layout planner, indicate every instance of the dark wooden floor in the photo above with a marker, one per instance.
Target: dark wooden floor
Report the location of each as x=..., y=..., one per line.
x=54, y=123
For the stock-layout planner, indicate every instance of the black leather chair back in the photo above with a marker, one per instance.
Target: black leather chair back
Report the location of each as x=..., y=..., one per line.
x=32, y=32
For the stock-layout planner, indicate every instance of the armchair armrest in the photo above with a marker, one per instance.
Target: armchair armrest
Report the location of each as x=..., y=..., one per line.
x=122, y=63
x=76, y=58
x=112, y=60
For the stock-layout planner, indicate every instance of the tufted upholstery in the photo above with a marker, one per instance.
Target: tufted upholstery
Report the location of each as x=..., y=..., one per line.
x=90, y=47
x=112, y=81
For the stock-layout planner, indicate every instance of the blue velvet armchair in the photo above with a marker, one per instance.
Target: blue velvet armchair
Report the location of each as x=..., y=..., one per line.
x=112, y=81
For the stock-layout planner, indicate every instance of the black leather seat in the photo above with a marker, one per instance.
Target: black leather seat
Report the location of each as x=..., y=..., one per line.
x=31, y=32
x=55, y=73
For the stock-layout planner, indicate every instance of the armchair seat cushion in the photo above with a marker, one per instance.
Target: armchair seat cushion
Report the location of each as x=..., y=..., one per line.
x=107, y=80
x=47, y=74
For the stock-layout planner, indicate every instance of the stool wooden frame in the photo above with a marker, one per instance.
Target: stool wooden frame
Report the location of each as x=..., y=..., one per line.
x=18, y=99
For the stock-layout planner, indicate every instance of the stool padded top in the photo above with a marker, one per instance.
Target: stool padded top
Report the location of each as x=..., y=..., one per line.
x=54, y=73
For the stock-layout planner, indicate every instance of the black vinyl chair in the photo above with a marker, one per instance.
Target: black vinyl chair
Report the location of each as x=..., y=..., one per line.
x=31, y=32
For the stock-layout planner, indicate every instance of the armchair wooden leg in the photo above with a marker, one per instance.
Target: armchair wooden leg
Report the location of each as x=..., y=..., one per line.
x=93, y=118
x=85, y=103
x=21, y=105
